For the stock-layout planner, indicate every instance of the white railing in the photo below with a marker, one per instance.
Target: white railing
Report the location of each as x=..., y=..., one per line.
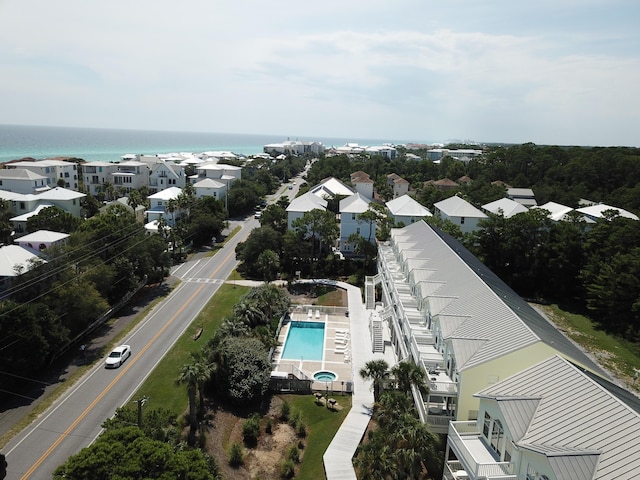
x=490, y=471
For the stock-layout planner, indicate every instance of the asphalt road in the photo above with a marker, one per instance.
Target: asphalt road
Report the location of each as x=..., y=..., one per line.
x=73, y=421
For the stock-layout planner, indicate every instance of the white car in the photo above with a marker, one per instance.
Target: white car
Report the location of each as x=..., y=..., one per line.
x=118, y=356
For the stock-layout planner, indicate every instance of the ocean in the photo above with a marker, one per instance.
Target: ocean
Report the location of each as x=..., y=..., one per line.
x=109, y=145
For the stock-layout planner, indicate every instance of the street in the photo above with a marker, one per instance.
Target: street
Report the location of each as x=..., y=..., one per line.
x=74, y=420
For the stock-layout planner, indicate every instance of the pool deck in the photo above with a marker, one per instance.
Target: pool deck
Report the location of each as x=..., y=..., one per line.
x=338, y=456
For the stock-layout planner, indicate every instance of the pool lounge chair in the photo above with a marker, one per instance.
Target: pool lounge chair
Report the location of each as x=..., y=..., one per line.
x=340, y=349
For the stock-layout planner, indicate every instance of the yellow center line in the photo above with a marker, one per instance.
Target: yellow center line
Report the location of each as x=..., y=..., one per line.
x=115, y=380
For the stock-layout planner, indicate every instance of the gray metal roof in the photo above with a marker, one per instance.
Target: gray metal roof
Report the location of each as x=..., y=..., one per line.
x=579, y=424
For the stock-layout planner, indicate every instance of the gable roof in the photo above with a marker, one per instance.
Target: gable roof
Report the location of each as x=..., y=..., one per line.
x=596, y=211
x=209, y=183
x=43, y=236
x=457, y=207
x=331, y=187
x=406, y=206
x=167, y=194
x=20, y=174
x=355, y=203
x=557, y=211
x=588, y=443
x=12, y=256
x=307, y=202
x=505, y=207
x=493, y=311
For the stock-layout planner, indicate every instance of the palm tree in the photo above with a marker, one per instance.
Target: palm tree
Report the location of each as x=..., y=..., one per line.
x=249, y=312
x=378, y=372
x=190, y=376
x=406, y=374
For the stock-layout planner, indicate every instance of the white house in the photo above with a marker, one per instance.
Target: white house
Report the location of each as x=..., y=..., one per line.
x=54, y=170
x=294, y=147
x=21, y=180
x=96, y=174
x=398, y=185
x=504, y=207
x=406, y=210
x=218, y=171
x=302, y=204
x=551, y=421
x=40, y=240
x=557, y=211
x=524, y=196
x=165, y=174
x=15, y=260
x=208, y=187
x=595, y=212
x=130, y=175
x=350, y=223
x=362, y=183
x=460, y=212
x=160, y=206
x=331, y=188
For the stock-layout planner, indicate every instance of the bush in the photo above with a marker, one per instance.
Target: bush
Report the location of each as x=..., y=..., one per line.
x=293, y=454
x=285, y=411
x=251, y=430
x=287, y=469
x=236, y=455
x=268, y=428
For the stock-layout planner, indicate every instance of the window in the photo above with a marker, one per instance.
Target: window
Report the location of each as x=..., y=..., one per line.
x=66, y=174
x=353, y=216
x=94, y=179
x=461, y=220
x=487, y=424
x=507, y=454
x=497, y=434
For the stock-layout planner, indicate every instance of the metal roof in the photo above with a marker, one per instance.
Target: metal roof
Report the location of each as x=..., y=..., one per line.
x=580, y=424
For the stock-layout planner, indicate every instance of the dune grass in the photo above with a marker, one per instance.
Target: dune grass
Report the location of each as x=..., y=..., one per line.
x=160, y=386
x=616, y=354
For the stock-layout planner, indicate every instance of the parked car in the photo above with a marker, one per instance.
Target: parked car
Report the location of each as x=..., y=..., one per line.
x=257, y=215
x=117, y=356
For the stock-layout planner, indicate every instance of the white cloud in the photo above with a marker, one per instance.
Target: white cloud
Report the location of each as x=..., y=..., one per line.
x=404, y=70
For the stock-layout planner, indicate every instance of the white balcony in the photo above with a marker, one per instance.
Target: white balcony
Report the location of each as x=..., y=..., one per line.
x=475, y=457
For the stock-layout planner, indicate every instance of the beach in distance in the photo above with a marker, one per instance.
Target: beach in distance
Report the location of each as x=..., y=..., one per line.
x=109, y=145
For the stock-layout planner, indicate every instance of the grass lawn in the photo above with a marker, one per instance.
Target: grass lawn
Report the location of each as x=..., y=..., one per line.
x=322, y=424
x=615, y=354
x=160, y=386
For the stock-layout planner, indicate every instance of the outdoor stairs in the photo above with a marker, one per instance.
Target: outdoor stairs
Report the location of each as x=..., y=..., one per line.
x=377, y=340
x=370, y=291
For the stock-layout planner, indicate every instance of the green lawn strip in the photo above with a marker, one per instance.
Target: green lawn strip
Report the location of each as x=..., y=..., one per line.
x=614, y=353
x=322, y=425
x=160, y=387
x=330, y=298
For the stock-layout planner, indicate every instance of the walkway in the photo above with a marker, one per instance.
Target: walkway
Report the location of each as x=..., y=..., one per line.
x=338, y=456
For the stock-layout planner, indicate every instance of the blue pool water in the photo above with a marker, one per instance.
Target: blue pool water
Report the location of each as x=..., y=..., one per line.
x=305, y=341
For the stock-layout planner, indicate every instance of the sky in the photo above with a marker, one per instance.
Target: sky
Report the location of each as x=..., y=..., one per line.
x=563, y=72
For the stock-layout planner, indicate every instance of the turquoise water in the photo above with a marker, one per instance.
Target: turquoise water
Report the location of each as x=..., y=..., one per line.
x=101, y=144
x=305, y=341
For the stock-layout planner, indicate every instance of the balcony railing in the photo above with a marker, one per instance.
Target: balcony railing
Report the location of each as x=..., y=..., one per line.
x=490, y=471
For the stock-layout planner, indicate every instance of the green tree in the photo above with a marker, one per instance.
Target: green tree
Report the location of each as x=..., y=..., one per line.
x=378, y=372
x=127, y=454
x=53, y=218
x=269, y=264
x=243, y=369
x=317, y=226
x=191, y=375
x=406, y=374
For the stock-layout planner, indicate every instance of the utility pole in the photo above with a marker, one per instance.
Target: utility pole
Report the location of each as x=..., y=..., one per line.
x=140, y=403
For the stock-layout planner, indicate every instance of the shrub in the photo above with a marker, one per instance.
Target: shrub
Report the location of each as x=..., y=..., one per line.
x=236, y=455
x=293, y=454
x=287, y=469
x=268, y=428
x=251, y=430
x=285, y=411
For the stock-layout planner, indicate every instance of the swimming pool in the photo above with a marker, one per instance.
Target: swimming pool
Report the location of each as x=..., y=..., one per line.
x=305, y=341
